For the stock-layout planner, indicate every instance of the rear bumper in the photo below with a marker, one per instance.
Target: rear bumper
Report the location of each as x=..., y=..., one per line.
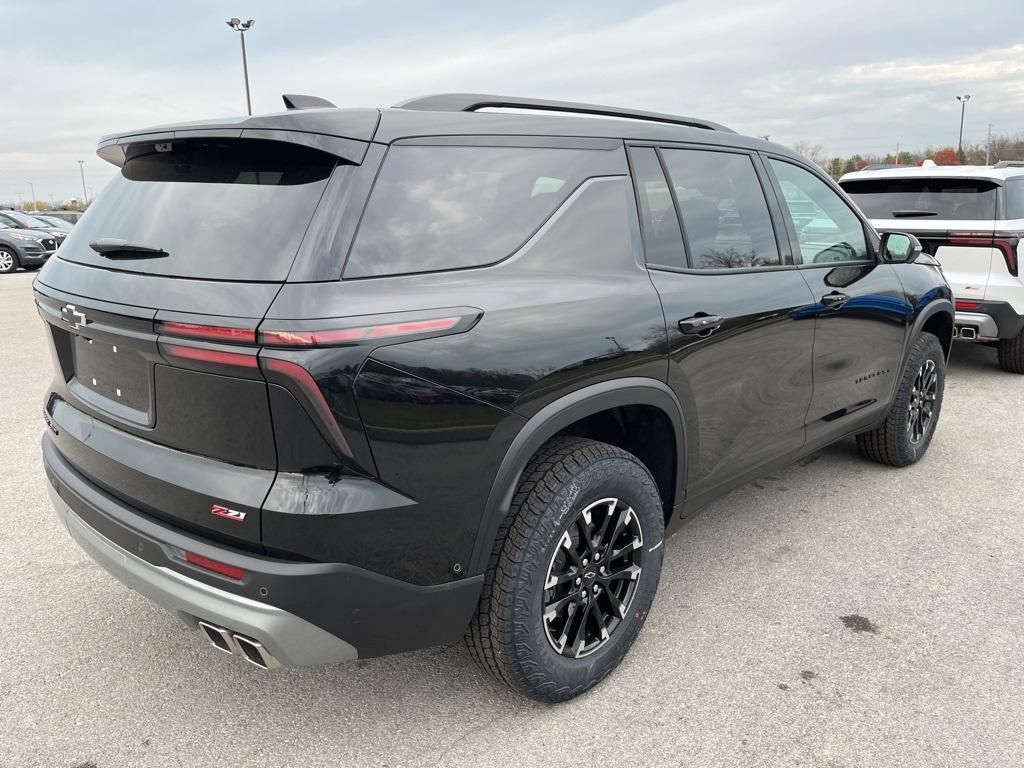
x=989, y=320
x=303, y=613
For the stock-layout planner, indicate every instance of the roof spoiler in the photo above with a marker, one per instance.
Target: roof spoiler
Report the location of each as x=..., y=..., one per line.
x=298, y=101
x=471, y=102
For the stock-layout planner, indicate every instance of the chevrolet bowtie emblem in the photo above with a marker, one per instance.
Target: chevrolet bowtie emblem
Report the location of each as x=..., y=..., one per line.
x=72, y=316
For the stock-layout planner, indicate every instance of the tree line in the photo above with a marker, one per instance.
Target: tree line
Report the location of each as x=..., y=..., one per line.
x=1003, y=147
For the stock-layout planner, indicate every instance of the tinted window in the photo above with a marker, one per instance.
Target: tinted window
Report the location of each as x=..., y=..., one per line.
x=827, y=229
x=948, y=199
x=662, y=238
x=725, y=216
x=1014, y=189
x=223, y=209
x=447, y=207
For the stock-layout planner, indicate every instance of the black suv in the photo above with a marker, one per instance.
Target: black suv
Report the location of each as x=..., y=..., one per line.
x=340, y=383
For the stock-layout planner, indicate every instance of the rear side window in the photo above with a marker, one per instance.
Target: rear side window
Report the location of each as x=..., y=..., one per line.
x=945, y=199
x=722, y=204
x=449, y=207
x=1014, y=189
x=221, y=209
x=662, y=239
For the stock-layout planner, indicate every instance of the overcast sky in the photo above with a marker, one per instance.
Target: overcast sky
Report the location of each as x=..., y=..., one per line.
x=853, y=76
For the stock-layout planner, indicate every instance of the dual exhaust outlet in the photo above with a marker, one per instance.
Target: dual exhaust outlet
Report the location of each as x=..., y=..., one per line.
x=251, y=650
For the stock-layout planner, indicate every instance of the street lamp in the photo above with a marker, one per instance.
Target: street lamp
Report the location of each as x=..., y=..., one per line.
x=32, y=189
x=241, y=27
x=81, y=168
x=960, y=142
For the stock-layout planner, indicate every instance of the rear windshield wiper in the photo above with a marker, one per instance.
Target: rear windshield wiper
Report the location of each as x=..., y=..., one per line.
x=115, y=248
x=912, y=214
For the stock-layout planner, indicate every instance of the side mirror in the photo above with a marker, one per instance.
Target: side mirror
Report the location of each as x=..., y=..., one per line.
x=900, y=248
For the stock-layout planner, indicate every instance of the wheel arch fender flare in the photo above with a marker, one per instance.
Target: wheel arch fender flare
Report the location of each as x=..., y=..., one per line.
x=552, y=419
x=932, y=308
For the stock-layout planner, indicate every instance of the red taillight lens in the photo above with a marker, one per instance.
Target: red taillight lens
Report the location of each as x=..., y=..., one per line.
x=329, y=337
x=966, y=304
x=307, y=384
x=216, y=566
x=214, y=356
x=208, y=332
x=1006, y=242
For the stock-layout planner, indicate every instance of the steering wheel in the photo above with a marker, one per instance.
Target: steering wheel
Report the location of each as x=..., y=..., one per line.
x=837, y=252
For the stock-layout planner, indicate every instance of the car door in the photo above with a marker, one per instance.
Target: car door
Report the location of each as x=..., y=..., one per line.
x=739, y=349
x=860, y=309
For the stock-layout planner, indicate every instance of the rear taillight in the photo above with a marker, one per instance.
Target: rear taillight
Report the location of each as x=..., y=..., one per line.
x=216, y=566
x=304, y=380
x=966, y=304
x=1006, y=242
x=336, y=336
x=220, y=333
x=214, y=356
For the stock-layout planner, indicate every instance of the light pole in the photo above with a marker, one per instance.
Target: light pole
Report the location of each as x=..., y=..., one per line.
x=32, y=189
x=81, y=168
x=241, y=27
x=988, y=144
x=960, y=142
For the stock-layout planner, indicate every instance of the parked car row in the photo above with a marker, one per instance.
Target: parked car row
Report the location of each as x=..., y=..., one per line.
x=334, y=384
x=28, y=240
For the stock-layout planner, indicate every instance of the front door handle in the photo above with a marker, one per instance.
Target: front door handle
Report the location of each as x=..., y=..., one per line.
x=835, y=299
x=700, y=325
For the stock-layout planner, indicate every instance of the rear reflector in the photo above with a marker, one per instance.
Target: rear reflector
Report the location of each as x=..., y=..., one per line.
x=214, y=356
x=352, y=335
x=966, y=304
x=208, y=332
x=214, y=565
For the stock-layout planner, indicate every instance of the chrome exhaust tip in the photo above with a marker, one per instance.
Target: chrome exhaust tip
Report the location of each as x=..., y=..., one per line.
x=255, y=653
x=219, y=638
x=968, y=333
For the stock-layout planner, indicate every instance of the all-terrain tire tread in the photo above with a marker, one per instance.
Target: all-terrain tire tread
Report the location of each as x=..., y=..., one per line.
x=506, y=579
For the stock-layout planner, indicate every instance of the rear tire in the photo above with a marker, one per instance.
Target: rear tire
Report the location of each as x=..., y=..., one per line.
x=8, y=261
x=1011, y=354
x=906, y=433
x=553, y=620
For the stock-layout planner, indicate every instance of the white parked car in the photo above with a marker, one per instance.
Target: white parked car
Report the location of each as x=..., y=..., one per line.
x=971, y=218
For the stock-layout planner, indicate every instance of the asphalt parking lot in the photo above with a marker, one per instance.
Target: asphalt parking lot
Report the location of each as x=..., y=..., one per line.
x=837, y=613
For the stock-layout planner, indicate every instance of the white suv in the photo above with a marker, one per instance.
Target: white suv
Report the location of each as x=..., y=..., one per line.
x=971, y=218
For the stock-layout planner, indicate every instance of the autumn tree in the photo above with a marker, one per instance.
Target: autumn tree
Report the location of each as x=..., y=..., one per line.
x=946, y=156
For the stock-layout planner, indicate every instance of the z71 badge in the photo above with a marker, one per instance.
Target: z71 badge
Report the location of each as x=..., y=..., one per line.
x=229, y=514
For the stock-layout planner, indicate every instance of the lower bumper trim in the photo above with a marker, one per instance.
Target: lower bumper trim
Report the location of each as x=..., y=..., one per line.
x=293, y=641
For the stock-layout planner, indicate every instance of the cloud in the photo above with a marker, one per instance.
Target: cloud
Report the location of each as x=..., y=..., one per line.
x=824, y=73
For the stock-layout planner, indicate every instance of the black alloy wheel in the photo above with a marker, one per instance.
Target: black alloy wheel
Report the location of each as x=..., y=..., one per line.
x=592, y=577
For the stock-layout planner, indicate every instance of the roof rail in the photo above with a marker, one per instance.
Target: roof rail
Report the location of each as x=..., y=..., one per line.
x=298, y=101
x=1009, y=164
x=884, y=166
x=471, y=102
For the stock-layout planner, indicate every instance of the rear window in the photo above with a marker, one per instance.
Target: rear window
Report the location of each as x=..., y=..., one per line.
x=945, y=199
x=450, y=207
x=221, y=209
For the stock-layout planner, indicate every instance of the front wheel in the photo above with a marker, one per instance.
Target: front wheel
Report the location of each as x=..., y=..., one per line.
x=8, y=261
x=573, y=572
x=906, y=433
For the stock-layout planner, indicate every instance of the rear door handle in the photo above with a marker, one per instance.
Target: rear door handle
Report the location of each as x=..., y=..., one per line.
x=835, y=299
x=700, y=325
